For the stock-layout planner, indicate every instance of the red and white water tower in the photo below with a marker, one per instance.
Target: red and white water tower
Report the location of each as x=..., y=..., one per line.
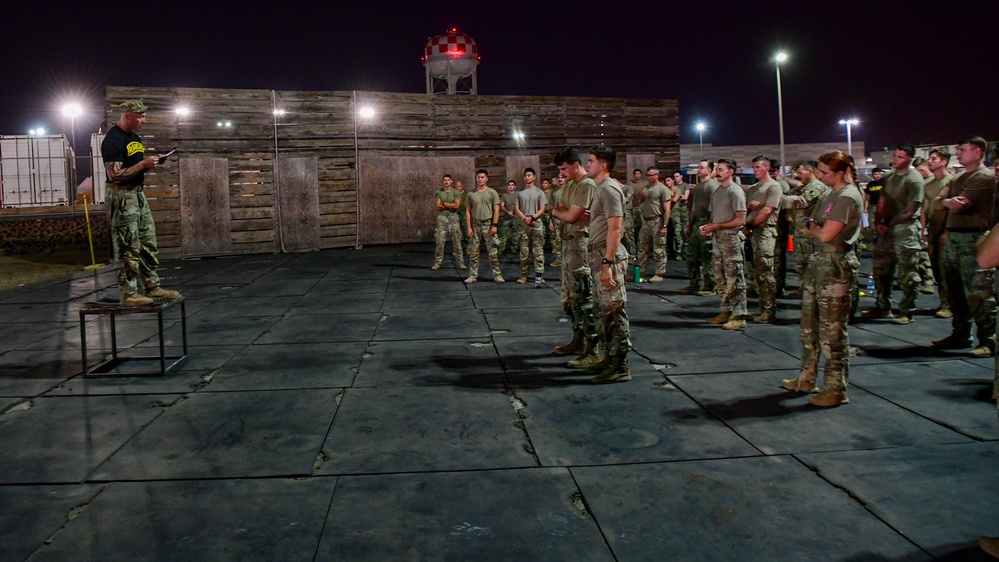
x=451, y=59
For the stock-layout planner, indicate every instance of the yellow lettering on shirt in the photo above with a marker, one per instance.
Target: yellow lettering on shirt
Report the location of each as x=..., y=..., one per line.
x=134, y=148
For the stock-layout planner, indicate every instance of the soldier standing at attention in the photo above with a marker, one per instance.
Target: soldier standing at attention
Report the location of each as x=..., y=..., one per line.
x=482, y=214
x=608, y=260
x=530, y=210
x=633, y=216
x=577, y=296
x=655, y=207
x=447, y=201
x=763, y=203
x=832, y=268
x=969, y=199
x=133, y=232
x=934, y=221
x=700, y=271
x=802, y=201
x=728, y=217
x=546, y=219
x=679, y=218
x=508, y=228
x=922, y=166
x=897, y=224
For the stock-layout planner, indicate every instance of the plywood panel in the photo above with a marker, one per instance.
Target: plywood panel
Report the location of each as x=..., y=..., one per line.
x=204, y=206
x=298, y=186
x=515, y=166
x=640, y=161
x=397, y=196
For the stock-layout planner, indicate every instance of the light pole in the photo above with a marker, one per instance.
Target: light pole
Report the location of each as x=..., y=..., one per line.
x=72, y=110
x=849, y=138
x=365, y=113
x=700, y=136
x=781, y=57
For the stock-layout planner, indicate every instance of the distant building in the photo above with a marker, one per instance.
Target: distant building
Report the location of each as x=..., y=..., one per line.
x=690, y=154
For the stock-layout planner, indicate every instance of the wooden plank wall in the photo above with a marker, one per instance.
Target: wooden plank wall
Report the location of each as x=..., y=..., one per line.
x=298, y=179
x=250, y=128
x=204, y=207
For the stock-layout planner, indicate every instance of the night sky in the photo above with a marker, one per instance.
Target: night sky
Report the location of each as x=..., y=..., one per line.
x=909, y=75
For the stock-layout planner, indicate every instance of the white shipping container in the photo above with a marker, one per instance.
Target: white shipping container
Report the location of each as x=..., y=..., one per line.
x=36, y=171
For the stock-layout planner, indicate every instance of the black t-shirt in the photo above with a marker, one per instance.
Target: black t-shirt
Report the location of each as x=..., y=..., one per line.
x=119, y=146
x=874, y=188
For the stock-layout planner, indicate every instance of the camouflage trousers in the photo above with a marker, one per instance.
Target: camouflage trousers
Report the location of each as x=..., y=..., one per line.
x=764, y=241
x=628, y=226
x=651, y=242
x=972, y=295
x=577, y=295
x=481, y=237
x=610, y=316
x=825, y=313
x=447, y=226
x=780, y=251
x=935, y=249
x=925, y=266
x=463, y=228
x=679, y=219
x=557, y=239
x=507, y=235
x=133, y=239
x=728, y=259
x=532, y=238
x=898, y=247
x=803, y=245
x=700, y=272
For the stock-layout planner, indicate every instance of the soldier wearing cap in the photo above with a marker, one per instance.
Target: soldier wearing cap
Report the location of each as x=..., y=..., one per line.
x=133, y=234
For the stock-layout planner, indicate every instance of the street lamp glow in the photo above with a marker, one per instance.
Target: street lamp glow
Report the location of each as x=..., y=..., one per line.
x=366, y=112
x=72, y=110
x=279, y=112
x=849, y=137
x=700, y=127
x=781, y=57
x=183, y=111
x=700, y=137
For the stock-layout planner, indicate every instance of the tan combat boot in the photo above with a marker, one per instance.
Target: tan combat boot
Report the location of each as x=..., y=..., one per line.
x=572, y=348
x=736, y=323
x=798, y=385
x=162, y=294
x=617, y=371
x=599, y=366
x=132, y=299
x=721, y=318
x=829, y=399
x=589, y=356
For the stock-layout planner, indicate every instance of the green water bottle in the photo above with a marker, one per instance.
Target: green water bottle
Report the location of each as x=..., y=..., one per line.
x=638, y=274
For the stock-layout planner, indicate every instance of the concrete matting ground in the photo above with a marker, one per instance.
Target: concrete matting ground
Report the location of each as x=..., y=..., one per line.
x=354, y=404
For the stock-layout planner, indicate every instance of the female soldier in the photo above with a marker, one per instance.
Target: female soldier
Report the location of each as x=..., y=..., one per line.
x=828, y=280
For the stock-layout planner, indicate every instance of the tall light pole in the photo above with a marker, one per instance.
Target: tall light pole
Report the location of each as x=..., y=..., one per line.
x=781, y=57
x=700, y=136
x=849, y=138
x=72, y=110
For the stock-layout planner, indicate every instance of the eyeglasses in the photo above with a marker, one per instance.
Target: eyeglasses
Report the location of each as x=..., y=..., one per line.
x=650, y=175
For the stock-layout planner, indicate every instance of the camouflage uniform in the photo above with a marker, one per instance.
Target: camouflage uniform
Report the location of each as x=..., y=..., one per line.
x=480, y=237
x=700, y=272
x=971, y=289
x=828, y=289
x=609, y=304
x=769, y=194
x=133, y=238
x=508, y=232
x=900, y=245
x=655, y=197
x=577, y=294
x=936, y=223
x=462, y=224
x=532, y=239
x=802, y=206
x=557, y=232
x=728, y=259
x=679, y=218
x=447, y=225
x=628, y=238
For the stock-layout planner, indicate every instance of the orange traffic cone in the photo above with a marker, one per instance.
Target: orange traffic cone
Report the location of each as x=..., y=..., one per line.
x=790, y=243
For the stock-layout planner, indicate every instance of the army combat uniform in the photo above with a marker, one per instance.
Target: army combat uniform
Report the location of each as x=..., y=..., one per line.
x=577, y=296
x=480, y=206
x=652, y=238
x=826, y=298
x=764, y=244
x=728, y=250
x=448, y=226
x=802, y=206
x=700, y=272
x=900, y=245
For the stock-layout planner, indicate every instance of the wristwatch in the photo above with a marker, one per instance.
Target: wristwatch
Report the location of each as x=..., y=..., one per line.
x=606, y=261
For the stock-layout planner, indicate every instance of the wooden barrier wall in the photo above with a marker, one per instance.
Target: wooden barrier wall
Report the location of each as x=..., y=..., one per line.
x=284, y=164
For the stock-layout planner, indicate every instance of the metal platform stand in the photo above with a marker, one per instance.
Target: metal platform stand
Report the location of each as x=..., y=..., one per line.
x=113, y=310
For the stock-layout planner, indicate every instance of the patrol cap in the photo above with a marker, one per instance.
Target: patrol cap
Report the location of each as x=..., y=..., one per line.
x=135, y=106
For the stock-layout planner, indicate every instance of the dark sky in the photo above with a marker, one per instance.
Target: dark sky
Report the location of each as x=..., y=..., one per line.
x=910, y=75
